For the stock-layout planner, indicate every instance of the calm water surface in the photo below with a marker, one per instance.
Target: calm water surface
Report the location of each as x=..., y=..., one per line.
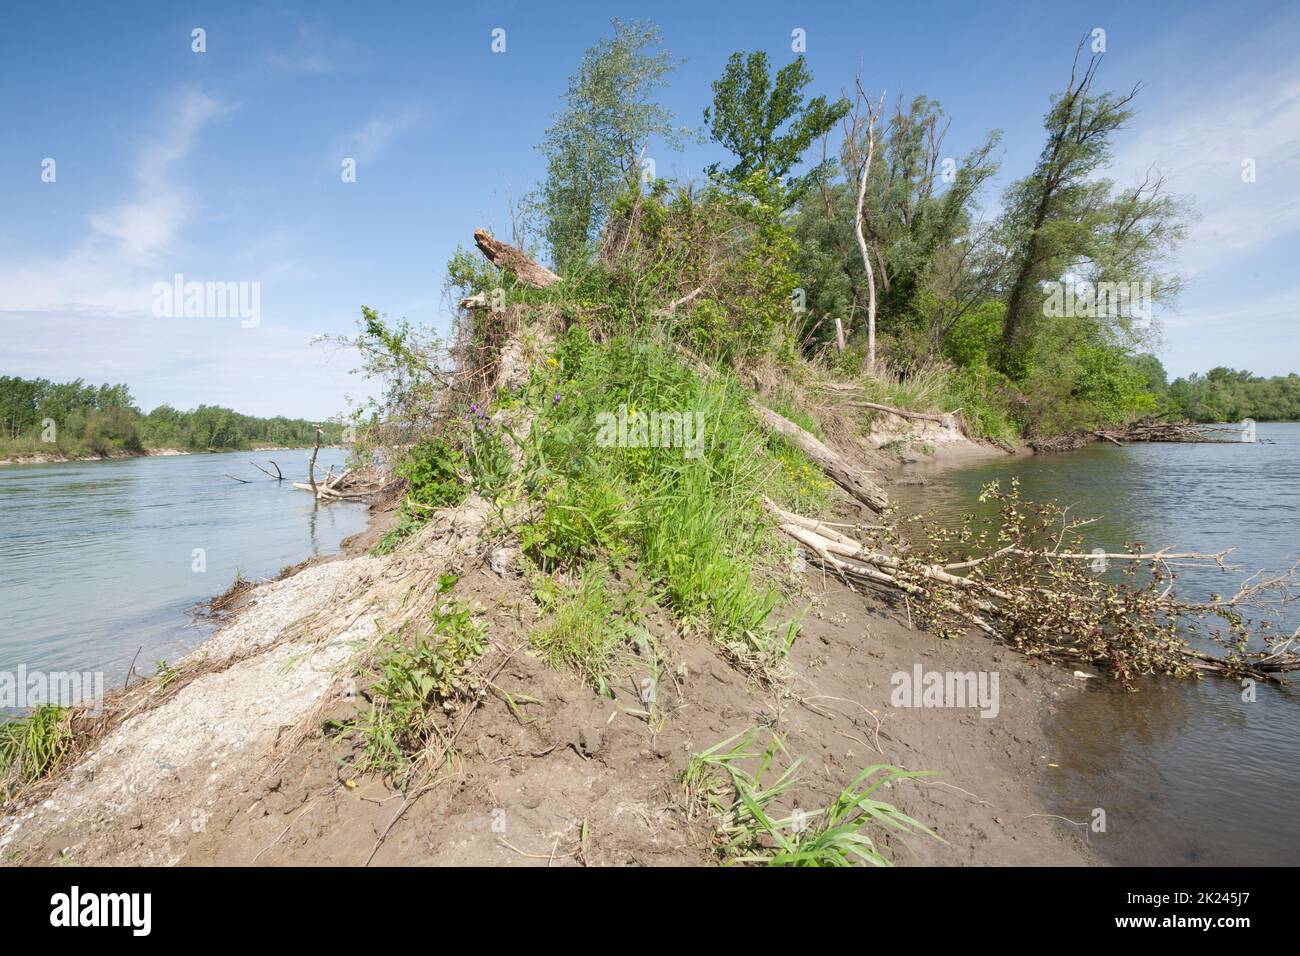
x=97, y=559
x=1187, y=772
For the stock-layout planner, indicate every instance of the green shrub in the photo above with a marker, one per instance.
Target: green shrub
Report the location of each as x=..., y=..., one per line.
x=433, y=470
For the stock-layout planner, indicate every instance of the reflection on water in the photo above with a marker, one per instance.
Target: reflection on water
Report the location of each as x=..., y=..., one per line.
x=1187, y=772
x=97, y=558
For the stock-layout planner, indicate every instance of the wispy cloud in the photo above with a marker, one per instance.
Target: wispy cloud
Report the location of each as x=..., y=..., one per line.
x=314, y=51
x=148, y=223
x=1200, y=142
x=112, y=268
x=1256, y=333
x=368, y=142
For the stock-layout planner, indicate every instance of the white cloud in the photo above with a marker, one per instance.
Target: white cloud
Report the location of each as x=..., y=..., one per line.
x=1200, y=142
x=371, y=140
x=268, y=370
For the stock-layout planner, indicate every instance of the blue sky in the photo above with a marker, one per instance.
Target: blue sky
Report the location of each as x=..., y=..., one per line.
x=225, y=165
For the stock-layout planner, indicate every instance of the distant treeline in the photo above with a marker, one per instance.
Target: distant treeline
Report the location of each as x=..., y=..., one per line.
x=73, y=418
x=1229, y=395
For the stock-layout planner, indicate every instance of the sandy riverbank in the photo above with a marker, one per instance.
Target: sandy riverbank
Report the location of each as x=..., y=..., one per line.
x=42, y=458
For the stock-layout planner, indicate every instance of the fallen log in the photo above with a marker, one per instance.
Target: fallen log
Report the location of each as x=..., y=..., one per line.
x=852, y=479
x=513, y=260
x=946, y=419
x=1147, y=430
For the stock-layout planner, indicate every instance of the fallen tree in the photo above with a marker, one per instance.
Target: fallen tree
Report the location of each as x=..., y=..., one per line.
x=1161, y=431
x=347, y=485
x=1041, y=592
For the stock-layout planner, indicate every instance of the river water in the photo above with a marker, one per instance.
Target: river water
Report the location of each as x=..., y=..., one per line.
x=1187, y=772
x=99, y=560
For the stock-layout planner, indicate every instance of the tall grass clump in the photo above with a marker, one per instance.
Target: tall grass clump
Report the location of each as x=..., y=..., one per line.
x=33, y=746
x=587, y=626
x=423, y=670
x=689, y=514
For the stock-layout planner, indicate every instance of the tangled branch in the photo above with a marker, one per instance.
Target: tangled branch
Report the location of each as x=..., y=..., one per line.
x=1031, y=584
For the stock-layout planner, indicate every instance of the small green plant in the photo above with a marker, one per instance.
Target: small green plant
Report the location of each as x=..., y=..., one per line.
x=164, y=674
x=408, y=522
x=588, y=625
x=33, y=746
x=750, y=827
x=421, y=668
x=488, y=457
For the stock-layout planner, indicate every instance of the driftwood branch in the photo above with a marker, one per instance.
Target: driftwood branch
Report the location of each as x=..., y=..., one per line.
x=946, y=419
x=311, y=467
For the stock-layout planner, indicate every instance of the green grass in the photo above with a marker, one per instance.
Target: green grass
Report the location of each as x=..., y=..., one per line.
x=751, y=826
x=981, y=393
x=693, y=524
x=33, y=746
x=588, y=625
x=420, y=669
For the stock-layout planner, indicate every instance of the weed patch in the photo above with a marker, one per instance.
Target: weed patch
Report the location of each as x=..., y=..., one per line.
x=751, y=826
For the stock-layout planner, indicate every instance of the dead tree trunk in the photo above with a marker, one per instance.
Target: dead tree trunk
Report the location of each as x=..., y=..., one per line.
x=857, y=127
x=516, y=261
x=311, y=468
x=946, y=419
x=852, y=479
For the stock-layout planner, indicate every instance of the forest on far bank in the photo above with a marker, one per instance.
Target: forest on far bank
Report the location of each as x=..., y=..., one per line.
x=77, y=419
x=1229, y=395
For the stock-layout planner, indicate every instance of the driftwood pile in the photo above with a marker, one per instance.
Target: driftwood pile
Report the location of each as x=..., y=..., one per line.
x=1147, y=430
x=1159, y=431
x=988, y=603
x=347, y=485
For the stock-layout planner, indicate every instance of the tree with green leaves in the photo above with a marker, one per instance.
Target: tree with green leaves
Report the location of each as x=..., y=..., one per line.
x=1065, y=220
x=595, y=146
x=751, y=109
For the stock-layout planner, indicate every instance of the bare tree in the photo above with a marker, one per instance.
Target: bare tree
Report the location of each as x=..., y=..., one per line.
x=859, y=151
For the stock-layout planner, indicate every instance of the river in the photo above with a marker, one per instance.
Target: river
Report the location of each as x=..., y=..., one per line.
x=101, y=560
x=1187, y=772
